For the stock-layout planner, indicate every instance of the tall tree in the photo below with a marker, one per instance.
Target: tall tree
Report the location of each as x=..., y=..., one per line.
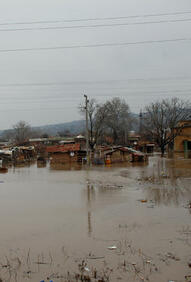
x=21, y=132
x=161, y=118
x=111, y=119
x=117, y=119
x=95, y=120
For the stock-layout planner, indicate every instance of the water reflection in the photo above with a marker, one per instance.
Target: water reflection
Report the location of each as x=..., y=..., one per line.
x=169, y=181
x=41, y=164
x=168, y=195
x=24, y=164
x=90, y=193
x=3, y=170
x=89, y=224
x=66, y=166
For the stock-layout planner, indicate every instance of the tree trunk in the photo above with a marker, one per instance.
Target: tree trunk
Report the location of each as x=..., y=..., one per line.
x=162, y=150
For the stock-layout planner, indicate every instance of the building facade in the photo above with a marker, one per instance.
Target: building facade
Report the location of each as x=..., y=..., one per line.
x=182, y=142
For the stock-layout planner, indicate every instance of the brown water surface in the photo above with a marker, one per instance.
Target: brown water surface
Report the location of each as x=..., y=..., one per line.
x=54, y=217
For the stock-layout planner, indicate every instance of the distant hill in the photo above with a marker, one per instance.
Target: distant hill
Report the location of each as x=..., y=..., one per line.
x=75, y=127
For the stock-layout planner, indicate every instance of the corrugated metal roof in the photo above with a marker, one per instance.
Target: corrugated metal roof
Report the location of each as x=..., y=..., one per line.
x=131, y=150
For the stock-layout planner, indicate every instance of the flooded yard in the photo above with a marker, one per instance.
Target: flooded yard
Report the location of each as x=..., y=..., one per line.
x=129, y=222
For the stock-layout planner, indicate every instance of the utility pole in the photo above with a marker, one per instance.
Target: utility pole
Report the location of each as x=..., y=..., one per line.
x=87, y=133
x=140, y=122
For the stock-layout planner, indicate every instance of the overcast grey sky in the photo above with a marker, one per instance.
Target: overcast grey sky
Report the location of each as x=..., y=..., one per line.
x=46, y=86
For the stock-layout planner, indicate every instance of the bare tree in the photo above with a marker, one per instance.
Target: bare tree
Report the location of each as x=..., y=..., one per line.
x=162, y=117
x=111, y=118
x=93, y=122
x=21, y=132
x=117, y=120
x=99, y=123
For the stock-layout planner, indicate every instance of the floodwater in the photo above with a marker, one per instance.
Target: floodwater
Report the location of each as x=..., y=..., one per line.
x=129, y=222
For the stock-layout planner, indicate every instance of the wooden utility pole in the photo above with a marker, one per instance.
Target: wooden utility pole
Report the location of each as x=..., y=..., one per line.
x=87, y=133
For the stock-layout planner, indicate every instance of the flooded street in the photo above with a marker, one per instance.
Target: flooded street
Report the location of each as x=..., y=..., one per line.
x=117, y=223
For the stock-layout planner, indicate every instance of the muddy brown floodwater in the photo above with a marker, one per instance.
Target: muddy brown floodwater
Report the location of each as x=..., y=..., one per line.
x=130, y=222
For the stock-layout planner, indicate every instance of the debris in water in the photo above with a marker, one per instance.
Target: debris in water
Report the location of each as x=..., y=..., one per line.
x=95, y=257
x=172, y=256
x=112, y=248
x=143, y=201
x=86, y=269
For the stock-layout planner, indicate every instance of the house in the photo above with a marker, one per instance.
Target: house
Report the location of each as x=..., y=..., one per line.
x=23, y=154
x=6, y=155
x=113, y=155
x=50, y=141
x=136, y=142
x=182, y=142
x=133, y=139
x=66, y=153
x=146, y=147
x=80, y=139
x=129, y=154
x=122, y=154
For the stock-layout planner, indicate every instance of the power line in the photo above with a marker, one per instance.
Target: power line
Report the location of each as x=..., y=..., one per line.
x=92, y=26
x=87, y=82
x=129, y=92
x=95, y=45
x=33, y=109
x=97, y=19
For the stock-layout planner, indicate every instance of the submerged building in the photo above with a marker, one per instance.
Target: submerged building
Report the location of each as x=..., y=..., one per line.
x=182, y=142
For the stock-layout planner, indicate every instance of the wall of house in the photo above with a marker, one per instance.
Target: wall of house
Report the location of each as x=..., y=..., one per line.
x=63, y=158
x=179, y=140
x=126, y=156
x=119, y=156
x=185, y=135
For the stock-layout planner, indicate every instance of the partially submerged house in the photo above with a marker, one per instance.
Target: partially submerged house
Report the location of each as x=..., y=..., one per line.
x=66, y=153
x=182, y=142
x=6, y=155
x=22, y=154
x=146, y=147
x=117, y=154
x=133, y=139
x=137, y=142
x=133, y=155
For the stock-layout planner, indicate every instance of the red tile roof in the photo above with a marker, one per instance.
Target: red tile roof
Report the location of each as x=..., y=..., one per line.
x=63, y=148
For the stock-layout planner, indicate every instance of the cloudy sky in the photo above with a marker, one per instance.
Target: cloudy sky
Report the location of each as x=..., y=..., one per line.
x=45, y=86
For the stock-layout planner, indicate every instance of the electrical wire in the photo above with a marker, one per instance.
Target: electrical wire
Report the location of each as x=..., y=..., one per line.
x=95, y=45
x=87, y=82
x=91, y=26
x=129, y=92
x=96, y=19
